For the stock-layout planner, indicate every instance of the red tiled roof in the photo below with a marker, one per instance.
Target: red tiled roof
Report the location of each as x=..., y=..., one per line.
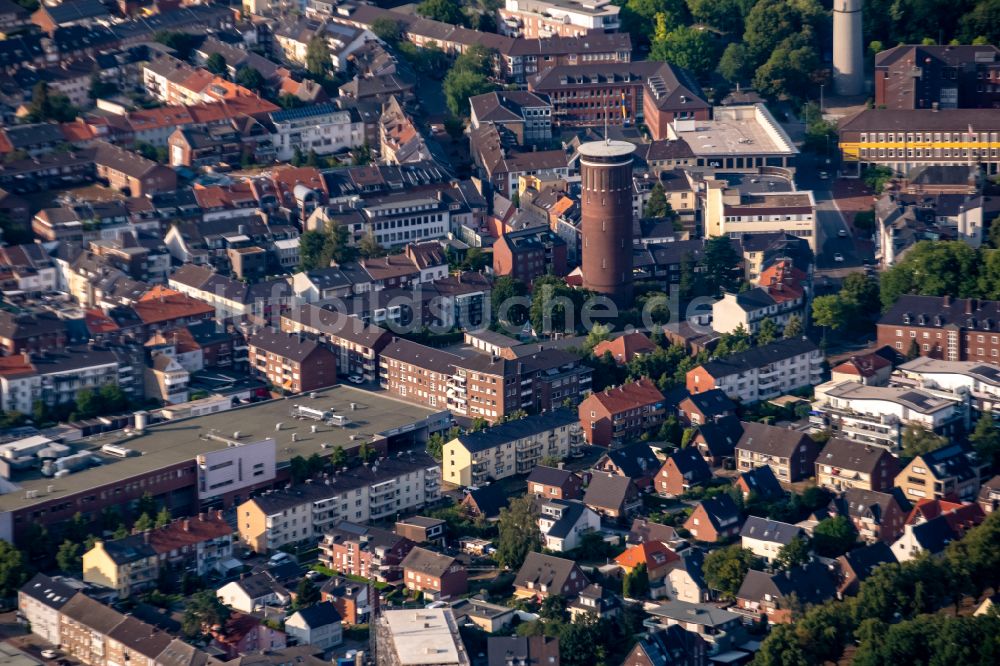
x=782, y=281
x=651, y=553
x=959, y=516
x=98, y=322
x=189, y=531
x=862, y=366
x=628, y=396
x=161, y=304
x=16, y=366
x=625, y=347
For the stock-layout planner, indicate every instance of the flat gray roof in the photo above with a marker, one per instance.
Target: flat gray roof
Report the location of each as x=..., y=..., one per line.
x=173, y=442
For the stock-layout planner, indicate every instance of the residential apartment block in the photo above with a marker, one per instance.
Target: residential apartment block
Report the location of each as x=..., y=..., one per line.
x=943, y=327
x=845, y=464
x=368, y=552
x=355, y=344
x=761, y=373
x=912, y=76
x=529, y=253
x=953, y=471
x=525, y=116
x=514, y=447
x=878, y=415
x=322, y=128
x=538, y=19
x=730, y=212
x=614, y=416
x=306, y=512
x=789, y=453
x=291, y=362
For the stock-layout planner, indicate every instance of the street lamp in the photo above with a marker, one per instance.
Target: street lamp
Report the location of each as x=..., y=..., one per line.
x=821, y=86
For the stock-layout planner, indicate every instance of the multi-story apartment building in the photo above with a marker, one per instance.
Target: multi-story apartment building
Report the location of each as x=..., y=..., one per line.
x=761, y=373
x=730, y=212
x=368, y=552
x=785, y=295
x=304, y=513
x=524, y=115
x=943, y=327
x=294, y=363
x=490, y=387
x=355, y=344
x=539, y=19
x=514, y=447
x=198, y=545
x=437, y=575
x=322, y=128
x=980, y=381
x=789, y=453
x=40, y=600
x=878, y=415
x=911, y=76
x=614, y=416
x=647, y=91
x=903, y=140
x=844, y=464
x=953, y=471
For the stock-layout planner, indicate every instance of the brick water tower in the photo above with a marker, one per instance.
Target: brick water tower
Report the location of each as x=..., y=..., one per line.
x=606, y=218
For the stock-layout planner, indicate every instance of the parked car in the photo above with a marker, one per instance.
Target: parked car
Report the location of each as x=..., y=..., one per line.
x=838, y=257
x=50, y=654
x=356, y=379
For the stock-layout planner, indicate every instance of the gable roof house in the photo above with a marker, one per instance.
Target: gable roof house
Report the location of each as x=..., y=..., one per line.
x=611, y=495
x=876, y=516
x=563, y=522
x=761, y=373
x=250, y=593
x=546, y=575
x=555, y=483
x=762, y=482
x=951, y=471
x=716, y=439
x=636, y=461
x=318, y=625
x=682, y=471
x=770, y=594
x=685, y=580
x=654, y=554
x=671, y=646
x=848, y=463
x=705, y=407
x=625, y=347
x=765, y=538
x=789, y=453
x=486, y=501
x=614, y=416
x=858, y=564
x=714, y=519
x=643, y=530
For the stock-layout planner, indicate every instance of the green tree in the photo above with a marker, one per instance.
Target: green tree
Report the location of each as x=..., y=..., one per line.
x=369, y=248
x=505, y=289
x=918, y=440
x=877, y=177
x=143, y=523
x=553, y=608
x=338, y=457
x=68, y=558
x=733, y=66
x=767, y=332
x=635, y=585
x=306, y=594
x=203, y=611
x=13, y=570
x=311, y=250
x=461, y=84
x=793, y=70
x=657, y=204
x=182, y=42
x=446, y=11
x=782, y=648
x=694, y=49
x=163, y=517
x=555, y=307
x=366, y=451
x=724, y=15
x=986, y=440
x=639, y=17
x=598, y=334
x=828, y=311
x=216, y=63
x=318, y=58
x=725, y=568
x=250, y=78
x=388, y=30
x=721, y=263
x=518, y=532
x=793, y=329
x=834, y=536
x=793, y=553
x=933, y=268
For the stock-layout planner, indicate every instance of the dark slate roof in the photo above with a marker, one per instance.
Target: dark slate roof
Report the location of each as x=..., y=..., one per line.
x=859, y=503
x=547, y=570
x=811, y=583
x=864, y=560
x=286, y=345
x=942, y=311
x=763, y=529
x=720, y=509
x=608, y=491
x=48, y=591
x=571, y=512
x=768, y=439
x=713, y=401
x=721, y=435
x=490, y=499
x=75, y=10
x=128, y=549
x=759, y=357
x=549, y=476
x=763, y=482
x=956, y=460
x=690, y=464
x=935, y=534
x=635, y=460
x=258, y=585
x=320, y=615
x=670, y=646
x=521, y=650
x=851, y=455
x=517, y=429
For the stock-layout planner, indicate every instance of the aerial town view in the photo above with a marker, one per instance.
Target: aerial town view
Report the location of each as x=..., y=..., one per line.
x=499, y=332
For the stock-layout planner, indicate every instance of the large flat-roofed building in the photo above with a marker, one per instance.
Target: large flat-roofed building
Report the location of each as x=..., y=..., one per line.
x=919, y=76
x=538, y=19
x=730, y=212
x=421, y=637
x=878, y=415
x=903, y=140
x=162, y=460
x=981, y=381
x=737, y=138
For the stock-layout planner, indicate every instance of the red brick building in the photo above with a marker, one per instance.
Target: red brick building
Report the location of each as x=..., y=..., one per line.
x=529, y=253
x=437, y=576
x=682, y=471
x=356, y=550
x=293, y=363
x=555, y=483
x=953, y=329
x=714, y=519
x=614, y=416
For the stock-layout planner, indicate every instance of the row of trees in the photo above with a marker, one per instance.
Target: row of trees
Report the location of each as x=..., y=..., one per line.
x=944, y=268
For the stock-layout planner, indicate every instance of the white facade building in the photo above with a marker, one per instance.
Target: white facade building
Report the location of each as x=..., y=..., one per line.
x=322, y=128
x=238, y=465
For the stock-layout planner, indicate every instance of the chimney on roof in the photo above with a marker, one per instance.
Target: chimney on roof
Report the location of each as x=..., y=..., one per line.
x=186, y=525
x=947, y=300
x=968, y=306
x=145, y=536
